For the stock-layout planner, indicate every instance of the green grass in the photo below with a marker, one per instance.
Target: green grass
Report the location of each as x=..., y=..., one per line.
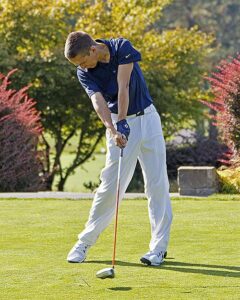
x=36, y=236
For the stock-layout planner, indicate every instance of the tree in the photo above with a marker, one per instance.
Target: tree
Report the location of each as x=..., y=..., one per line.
x=225, y=86
x=220, y=17
x=37, y=51
x=20, y=128
x=171, y=62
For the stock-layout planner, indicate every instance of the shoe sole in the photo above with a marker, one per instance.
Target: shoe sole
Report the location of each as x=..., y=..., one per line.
x=148, y=262
x=145, y=261
x=75, y=262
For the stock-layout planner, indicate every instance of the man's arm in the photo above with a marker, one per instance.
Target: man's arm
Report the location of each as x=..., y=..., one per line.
x=104, y=114
x=123, y=78
x=103, y=111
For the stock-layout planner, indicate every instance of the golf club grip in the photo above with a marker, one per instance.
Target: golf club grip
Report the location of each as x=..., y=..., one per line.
x=117, y=205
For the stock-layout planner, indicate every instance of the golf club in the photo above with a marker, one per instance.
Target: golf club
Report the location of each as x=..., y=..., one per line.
x=110, y=272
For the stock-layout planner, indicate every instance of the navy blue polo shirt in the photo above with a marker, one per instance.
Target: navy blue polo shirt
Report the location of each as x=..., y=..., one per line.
x=103, y=78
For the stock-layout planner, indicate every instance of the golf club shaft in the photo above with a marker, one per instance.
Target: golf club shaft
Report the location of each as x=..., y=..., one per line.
x=117, y=204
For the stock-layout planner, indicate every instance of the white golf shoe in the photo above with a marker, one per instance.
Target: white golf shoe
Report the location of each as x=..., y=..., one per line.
x=153, y=258
x=78, y=253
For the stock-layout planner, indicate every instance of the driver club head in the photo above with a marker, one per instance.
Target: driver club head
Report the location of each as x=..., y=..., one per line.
x=106, y=273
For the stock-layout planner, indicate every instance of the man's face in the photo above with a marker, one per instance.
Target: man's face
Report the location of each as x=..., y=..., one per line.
x=88, y=61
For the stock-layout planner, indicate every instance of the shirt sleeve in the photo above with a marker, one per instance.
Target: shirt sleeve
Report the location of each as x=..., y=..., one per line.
x=127, y=53
x=87, y=83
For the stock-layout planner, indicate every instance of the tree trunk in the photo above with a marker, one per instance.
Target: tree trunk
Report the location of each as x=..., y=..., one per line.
x=61, y=184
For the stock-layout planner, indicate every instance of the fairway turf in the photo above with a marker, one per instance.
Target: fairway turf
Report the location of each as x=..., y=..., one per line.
x=203, y=255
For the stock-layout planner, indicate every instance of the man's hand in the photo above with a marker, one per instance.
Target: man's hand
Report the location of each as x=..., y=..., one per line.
x=119, y=139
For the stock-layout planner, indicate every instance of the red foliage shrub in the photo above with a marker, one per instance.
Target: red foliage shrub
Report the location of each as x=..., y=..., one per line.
x=20, y=128
x=225, y=85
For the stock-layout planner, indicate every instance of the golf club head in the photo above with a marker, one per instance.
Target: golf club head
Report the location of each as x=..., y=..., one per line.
x=106, y=273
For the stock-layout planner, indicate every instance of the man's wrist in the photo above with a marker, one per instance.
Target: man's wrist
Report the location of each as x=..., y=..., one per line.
x=121, y=118
x=112, y=130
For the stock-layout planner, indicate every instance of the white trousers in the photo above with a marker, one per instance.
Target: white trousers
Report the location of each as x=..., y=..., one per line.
x=146, y=143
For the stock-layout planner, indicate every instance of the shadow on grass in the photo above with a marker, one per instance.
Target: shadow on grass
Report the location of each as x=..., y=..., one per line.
x=212, y=270
x=121, y=288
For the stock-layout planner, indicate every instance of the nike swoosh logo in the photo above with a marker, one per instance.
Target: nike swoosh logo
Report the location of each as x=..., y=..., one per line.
x=127, y=56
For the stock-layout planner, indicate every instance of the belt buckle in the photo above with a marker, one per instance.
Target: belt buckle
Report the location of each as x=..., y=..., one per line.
x=140, y=113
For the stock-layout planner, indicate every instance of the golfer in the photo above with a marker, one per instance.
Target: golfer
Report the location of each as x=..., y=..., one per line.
x=109, y=72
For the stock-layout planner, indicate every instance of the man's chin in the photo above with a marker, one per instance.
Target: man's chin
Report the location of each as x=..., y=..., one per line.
x=92, y=66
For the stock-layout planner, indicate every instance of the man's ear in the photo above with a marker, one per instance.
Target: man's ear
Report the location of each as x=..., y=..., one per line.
x=93, y=49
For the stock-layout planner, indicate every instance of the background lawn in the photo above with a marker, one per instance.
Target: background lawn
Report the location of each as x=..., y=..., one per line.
x=83, y=174
x=89, y=171
x=203, y=260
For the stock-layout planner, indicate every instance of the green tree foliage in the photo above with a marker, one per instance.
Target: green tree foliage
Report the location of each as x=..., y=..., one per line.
x=220, y=17
x=33, y=36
